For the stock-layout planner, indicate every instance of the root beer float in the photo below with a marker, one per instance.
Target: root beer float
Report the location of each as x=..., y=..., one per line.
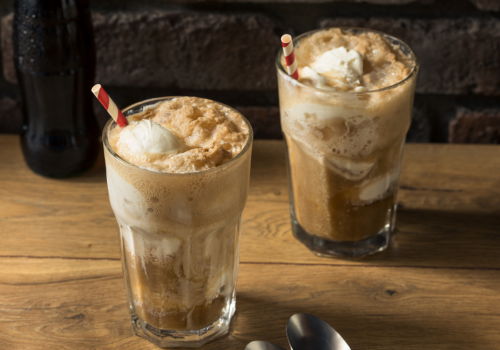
x=345, y=121
x=178, y=176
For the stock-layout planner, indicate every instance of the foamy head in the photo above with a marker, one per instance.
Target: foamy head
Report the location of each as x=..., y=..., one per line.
x=351, y=60
x=181, y=135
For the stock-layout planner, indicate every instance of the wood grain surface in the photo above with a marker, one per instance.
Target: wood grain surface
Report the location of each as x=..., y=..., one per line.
x=437, y=287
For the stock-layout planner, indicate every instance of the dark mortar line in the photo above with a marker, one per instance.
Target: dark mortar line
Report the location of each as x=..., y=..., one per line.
x=269, y=98
x=446, y=8
x=388, y=266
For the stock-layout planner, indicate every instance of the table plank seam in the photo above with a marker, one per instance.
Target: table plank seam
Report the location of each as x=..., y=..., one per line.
x=410, y=188
x=272, y=263
x=102, y=278
x=56, y=257
x=374, y=266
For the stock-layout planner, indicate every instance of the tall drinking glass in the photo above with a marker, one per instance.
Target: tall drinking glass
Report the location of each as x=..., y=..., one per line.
x=344, y=158
x=180, y=238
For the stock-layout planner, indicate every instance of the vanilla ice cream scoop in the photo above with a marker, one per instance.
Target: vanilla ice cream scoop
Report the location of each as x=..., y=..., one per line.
x=147, y=137
x=340, y=61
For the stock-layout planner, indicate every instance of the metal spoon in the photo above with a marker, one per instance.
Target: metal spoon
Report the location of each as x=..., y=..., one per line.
x=308, y=332
x=262, y=345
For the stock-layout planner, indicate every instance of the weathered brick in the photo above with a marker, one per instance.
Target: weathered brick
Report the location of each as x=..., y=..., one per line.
x=457, y=56
x=181, y=50
x=186, y=50
x=475, y=126
x=265, y=121
x=10, y=116
x=7, y=50
x=487, y=5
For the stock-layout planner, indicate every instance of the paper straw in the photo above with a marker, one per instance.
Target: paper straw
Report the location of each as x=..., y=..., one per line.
x=109, y=105
x=291, y=63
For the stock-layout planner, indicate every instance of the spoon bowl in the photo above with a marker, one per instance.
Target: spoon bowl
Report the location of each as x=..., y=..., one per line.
x=262, y=345
x=308, y=332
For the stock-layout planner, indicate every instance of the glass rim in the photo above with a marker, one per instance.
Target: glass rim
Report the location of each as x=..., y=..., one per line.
x=282, y=70
x=111, y=151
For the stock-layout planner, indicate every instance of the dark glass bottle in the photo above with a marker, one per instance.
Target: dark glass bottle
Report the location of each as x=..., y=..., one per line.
x=55, y=65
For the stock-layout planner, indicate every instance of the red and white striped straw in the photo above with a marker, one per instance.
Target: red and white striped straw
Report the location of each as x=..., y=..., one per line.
x=110, y=106
x=291, y=64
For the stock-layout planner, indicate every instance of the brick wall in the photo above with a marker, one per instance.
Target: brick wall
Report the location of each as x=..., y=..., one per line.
x=157, y=48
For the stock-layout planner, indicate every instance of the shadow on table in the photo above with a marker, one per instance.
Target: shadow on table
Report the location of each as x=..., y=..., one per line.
x=444, y=238
x=259, y=319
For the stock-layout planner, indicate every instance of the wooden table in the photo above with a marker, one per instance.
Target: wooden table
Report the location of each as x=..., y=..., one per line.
x=437, y=287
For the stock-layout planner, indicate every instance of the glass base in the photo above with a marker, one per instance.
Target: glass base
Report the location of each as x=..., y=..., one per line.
x=342, y=249
x=185, y=339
